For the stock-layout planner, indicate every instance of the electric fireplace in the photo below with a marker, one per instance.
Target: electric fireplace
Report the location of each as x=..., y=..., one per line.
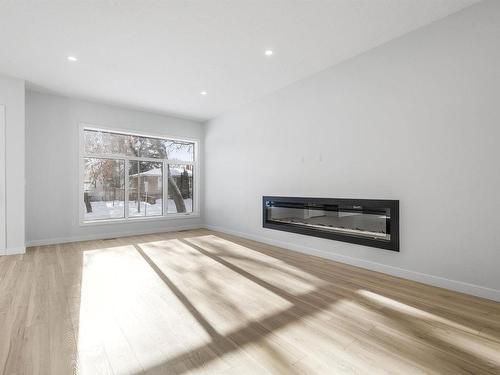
x=369, y=222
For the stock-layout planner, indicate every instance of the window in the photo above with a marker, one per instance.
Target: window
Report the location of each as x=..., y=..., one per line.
x=128, y=176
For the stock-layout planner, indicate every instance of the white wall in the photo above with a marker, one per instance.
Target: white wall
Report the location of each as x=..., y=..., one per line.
x=417, y=119
x=12, y=97
x=52, y=124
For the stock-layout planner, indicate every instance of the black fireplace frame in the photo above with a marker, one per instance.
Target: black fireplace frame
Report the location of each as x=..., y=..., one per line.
x=392, y=244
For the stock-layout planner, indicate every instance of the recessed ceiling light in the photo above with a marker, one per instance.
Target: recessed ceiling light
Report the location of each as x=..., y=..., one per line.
x=72, y=58
x=269, y=52
x=203, y=93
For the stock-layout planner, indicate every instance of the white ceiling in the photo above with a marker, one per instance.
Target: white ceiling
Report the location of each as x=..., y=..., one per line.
x=159, y=55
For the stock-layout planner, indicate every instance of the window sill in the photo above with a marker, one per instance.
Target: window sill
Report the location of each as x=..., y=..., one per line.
x=85, y=223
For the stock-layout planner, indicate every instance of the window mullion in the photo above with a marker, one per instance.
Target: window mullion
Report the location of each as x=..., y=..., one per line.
x=126, y=188
x=165, y=187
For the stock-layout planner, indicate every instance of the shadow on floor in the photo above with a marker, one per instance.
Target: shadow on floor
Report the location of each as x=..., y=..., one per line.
x=390, y=335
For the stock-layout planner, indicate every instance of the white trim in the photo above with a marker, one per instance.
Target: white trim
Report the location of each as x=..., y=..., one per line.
x=15, y=250
x=185, y=215
x=458, y=286
x=125, y=195
x=81, y=168
x=165, y=162
x=164, y=185
x=3, y=193
x=90, y=237
x=137, y=158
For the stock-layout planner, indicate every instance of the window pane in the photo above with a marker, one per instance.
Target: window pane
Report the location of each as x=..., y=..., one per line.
x=145, y=188
x=147, y=147
x=106, y=143
x=104, y=183
x=177, y=150
x=103, y=143
x=180, y=188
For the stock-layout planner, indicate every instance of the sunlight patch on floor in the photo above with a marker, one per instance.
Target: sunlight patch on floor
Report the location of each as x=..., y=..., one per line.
x=446, y=332
x=290, y=278
x=225, y=298
x=206, y=305
x=128, y=315
x=411, y=311
x=487, y=350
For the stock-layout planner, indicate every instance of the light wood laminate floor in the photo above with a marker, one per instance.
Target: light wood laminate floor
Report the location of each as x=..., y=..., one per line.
x=200, y=302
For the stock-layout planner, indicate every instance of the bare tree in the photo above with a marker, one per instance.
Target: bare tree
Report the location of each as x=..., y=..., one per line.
x=176, y=194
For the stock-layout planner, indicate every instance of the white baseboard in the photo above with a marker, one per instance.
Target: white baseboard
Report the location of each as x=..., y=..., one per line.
x=458, y=286
x=14, y=250
x=54, y=241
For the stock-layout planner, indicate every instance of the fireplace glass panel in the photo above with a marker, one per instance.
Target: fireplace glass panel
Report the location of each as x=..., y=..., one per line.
x=350, y=220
